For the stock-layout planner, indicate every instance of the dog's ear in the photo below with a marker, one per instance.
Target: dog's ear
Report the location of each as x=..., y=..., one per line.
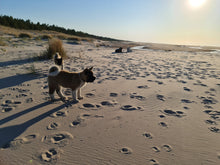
x=91, y=68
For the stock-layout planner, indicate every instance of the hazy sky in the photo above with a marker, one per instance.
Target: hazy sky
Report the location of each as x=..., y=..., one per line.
x=160, y=21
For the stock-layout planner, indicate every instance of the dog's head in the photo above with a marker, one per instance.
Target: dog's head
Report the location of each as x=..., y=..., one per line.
x=87, y=75
x=58, y=59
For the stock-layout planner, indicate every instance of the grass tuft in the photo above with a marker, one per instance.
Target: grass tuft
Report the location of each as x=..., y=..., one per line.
x=46, y=37
x=2, y=43
x=54, y=45
x=24, y=35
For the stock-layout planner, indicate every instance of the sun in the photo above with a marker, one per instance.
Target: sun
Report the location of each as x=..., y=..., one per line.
x=196, y=3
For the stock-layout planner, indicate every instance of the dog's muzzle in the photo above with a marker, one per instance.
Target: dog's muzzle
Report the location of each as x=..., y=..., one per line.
x=91, y=79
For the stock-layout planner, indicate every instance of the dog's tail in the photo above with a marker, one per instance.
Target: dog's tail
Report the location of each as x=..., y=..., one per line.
x=54, y=70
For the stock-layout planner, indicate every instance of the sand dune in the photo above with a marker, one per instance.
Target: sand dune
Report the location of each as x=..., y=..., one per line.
x=145, y=107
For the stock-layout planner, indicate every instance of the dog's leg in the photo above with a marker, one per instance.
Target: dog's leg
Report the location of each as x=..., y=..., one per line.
x=51, y=93
x=78, y=94
x=74, y=96
x=60, y=94
x=52, y=97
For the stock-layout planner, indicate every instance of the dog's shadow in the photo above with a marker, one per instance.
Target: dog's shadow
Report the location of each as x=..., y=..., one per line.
x=11, y=132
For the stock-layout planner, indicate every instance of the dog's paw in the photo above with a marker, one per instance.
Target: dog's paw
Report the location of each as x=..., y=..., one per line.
x=52, y=100
x=80, y=98
x=75, y=101
x=64, y=98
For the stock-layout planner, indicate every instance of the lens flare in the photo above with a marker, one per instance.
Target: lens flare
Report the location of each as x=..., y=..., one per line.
x=196, y=3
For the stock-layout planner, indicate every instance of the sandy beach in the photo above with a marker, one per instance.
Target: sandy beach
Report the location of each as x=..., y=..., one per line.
x=156, y=106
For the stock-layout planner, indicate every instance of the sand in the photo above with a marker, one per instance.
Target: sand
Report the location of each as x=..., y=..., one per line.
x=151, y=106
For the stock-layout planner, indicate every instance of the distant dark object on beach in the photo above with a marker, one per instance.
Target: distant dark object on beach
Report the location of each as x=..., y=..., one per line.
x=129, y=50
x=119, y=50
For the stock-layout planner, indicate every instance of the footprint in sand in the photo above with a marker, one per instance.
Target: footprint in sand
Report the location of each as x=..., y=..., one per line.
x=113, y=94
x=208, y=107
x=200, y=84
x=109, y=103
x=29, y=138
x=208, y=100
x=2, y=96
x=89, y=95
x=60, y=139
x=7, y=102
x=21, y=95
x=156, y=149
x=9, y=105
x=159, y=82
x=143, y=87
x=19, y=141
x=173, y=113
x=186, y=101
x=85, y=116
x=17, y=102
x=59, y=114
x=138, y=97
x=187, y=89
x=77, y=122
x=163, y=124
x=214, y=114
x=186, y=108
x=130, y=108
x=214, y=129
x=182, y=81
x=208, y=111
x=53, y=126
x=7, y=109
x=50, y=155
x=210, y=122
x=161, y=97
x=44, y=87
x=89, y=106
x=154, y=162
x=148, y=135
x=167, y=148
x=212, y=89
x=126, y=150
x=29, y=100
x=162, y=116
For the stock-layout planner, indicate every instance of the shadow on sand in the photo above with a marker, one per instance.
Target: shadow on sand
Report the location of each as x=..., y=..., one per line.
x=17, y=79
x=20, y=61
x=11, y=132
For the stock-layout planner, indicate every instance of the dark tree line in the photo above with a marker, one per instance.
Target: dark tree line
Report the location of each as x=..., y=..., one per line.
x=28, y=25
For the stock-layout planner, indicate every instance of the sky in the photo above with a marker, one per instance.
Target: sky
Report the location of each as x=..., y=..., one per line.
x=155, y=21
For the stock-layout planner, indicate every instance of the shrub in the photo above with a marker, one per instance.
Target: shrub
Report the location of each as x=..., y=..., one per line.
x=62, y=36
x=55, y=45
x=2, y=43
x=74, y=39
x=46, y=37
x=24, y=35
x=87, y=40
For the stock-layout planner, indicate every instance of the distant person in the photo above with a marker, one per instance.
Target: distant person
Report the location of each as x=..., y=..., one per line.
x=119, y=50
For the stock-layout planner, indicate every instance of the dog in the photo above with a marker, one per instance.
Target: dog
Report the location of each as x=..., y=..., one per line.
x=58, y=60
x=129, y=50
x=119, y=50
x=61, y=78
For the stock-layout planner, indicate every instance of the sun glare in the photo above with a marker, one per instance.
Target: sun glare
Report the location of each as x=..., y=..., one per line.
x=196, y=3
